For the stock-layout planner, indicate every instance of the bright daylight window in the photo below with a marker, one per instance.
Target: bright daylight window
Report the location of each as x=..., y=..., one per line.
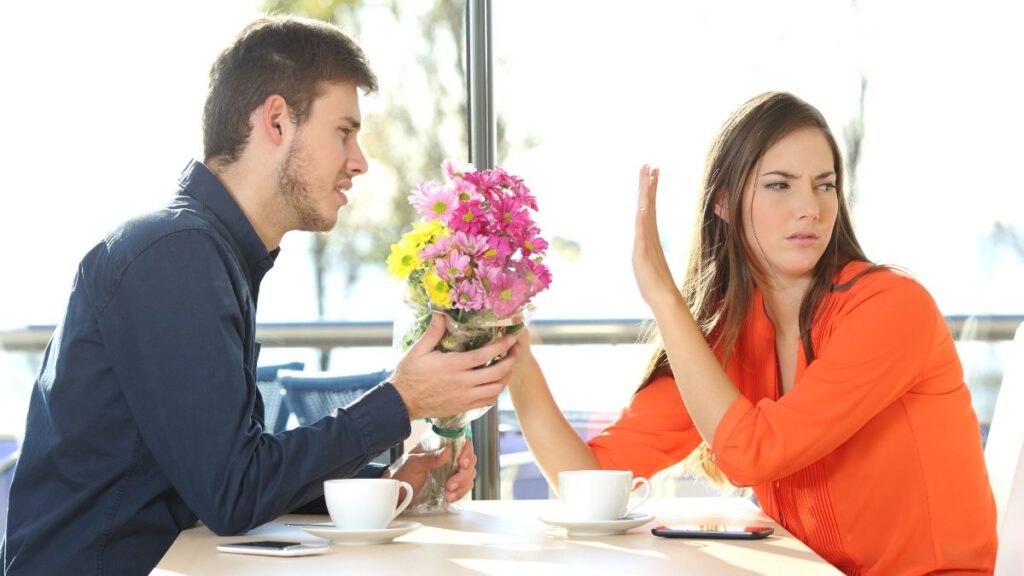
x=104, y=115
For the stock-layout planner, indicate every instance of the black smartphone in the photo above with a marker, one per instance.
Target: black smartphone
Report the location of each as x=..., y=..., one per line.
x=713, y=531
x=274, y=548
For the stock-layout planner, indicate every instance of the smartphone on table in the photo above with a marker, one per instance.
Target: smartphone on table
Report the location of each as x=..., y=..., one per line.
x=274, y=548
x=722, y=531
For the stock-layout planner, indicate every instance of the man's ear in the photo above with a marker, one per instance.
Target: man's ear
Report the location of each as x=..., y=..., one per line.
x=272, y=119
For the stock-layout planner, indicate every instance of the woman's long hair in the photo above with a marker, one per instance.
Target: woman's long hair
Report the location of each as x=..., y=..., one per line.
x=723, y=267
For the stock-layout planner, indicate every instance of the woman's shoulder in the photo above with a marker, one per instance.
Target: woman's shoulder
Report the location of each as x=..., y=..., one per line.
x=858, y=282
x=858, y=275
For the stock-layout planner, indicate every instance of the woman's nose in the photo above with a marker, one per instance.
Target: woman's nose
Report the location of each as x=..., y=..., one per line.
x=807, y=203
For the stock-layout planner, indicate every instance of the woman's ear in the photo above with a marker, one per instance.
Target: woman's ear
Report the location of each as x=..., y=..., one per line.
x=722, y=207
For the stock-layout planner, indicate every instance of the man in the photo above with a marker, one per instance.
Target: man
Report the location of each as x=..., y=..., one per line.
x=145, y=416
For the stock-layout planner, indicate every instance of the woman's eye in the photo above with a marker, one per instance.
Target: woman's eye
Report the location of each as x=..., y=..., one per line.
x=777, y=185
x=827, y=186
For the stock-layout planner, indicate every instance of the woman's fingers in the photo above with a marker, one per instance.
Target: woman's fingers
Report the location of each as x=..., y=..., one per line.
x=647, y=238
x=649, y=265
x=647, y=190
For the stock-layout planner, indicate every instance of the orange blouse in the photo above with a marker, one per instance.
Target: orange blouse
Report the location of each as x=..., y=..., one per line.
x=873, y=458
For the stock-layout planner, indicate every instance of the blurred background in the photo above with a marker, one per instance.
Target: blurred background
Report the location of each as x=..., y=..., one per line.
x=103, y=104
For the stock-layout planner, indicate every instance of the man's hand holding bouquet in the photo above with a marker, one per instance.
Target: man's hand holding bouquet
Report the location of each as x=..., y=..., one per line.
x=477, y=258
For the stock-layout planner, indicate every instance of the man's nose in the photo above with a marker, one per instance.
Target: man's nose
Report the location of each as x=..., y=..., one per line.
x=356, y=163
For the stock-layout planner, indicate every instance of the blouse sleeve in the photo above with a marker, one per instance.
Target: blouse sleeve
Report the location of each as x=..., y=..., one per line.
x=878, y=348
x=652, y=433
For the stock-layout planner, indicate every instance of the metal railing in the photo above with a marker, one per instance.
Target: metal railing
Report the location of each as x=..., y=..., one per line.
x=326, y=336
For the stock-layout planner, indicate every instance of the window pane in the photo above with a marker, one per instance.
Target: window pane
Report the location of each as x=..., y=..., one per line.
x=589, y=91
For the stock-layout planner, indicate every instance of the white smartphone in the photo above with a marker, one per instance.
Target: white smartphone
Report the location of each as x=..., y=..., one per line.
x=274, y=548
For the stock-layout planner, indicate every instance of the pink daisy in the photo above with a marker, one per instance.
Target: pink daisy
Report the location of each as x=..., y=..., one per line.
x=468, y=295
x=487, y=274
x=433, y=201
x=452, y=267
x=439, y=248
x=469, y=244
x=486, y=183
x=499, y=248
x=536, y=275
x=523, y=193
x=468, y=217
x=456, y=170
x=507, y=294
x=533, y=244
x=510, y=216
x=464, y=191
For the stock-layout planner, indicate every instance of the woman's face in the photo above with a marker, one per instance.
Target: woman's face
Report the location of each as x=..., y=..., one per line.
x=790, y=205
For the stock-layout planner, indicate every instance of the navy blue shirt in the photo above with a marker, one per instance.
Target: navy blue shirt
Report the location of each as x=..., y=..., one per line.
x=146, y=417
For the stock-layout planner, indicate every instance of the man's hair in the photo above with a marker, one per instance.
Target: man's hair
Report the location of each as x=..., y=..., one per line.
x=287, y=56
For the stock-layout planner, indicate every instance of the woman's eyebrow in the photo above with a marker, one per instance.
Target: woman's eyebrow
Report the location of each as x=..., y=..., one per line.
x=789, y=176
x=782, y=173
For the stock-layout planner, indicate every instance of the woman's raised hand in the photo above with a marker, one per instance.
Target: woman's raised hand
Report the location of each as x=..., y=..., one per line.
x=650, y=268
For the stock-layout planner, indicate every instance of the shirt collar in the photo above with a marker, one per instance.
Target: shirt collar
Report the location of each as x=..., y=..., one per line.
x=199, y=182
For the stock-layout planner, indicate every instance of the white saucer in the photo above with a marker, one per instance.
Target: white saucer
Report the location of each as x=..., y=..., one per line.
x=327, y=531
x=597, y=527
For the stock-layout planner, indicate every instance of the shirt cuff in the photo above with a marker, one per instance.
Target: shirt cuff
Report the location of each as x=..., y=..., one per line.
x=371, y=470
x=739, y=408
x=382, y=418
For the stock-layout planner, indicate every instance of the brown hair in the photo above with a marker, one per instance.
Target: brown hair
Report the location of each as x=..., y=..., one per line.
x=280, y=55
x=722, y=270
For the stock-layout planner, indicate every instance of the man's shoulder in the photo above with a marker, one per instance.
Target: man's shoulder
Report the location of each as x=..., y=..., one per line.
x=182, y=213
x=180, y=226
x=179, y=237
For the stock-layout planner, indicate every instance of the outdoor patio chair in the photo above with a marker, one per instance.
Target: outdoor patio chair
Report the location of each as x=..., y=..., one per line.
x=312, y=395
x=275, y=415
x=7, y=463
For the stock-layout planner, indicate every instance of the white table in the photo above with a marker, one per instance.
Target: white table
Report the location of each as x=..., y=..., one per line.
x=505, y=537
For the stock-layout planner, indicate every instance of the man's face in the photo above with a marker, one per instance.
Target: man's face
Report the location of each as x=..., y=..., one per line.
x=324, y=158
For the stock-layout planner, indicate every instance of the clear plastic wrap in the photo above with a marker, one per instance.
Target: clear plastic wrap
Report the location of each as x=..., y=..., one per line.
x=464, y=331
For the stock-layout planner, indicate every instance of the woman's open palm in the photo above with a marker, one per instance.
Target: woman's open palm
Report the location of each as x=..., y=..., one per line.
x=650, y=268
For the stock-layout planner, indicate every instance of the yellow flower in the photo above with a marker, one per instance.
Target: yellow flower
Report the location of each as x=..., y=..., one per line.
x=404, y=258
x=437, y=289
x=424, y=233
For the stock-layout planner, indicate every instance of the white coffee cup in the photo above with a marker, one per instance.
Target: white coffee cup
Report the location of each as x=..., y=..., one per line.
x=595, y=495
x=365, y=503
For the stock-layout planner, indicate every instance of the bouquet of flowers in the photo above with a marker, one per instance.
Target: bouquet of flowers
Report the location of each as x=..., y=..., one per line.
x=477, y=257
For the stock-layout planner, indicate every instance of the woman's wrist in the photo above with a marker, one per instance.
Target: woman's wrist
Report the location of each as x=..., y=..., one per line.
x=669, y=305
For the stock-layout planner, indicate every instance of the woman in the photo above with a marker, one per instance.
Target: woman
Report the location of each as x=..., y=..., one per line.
x=828, y=384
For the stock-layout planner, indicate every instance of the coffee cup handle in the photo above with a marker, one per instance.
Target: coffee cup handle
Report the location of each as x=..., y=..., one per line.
x=408, y=498
x=647, y=492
